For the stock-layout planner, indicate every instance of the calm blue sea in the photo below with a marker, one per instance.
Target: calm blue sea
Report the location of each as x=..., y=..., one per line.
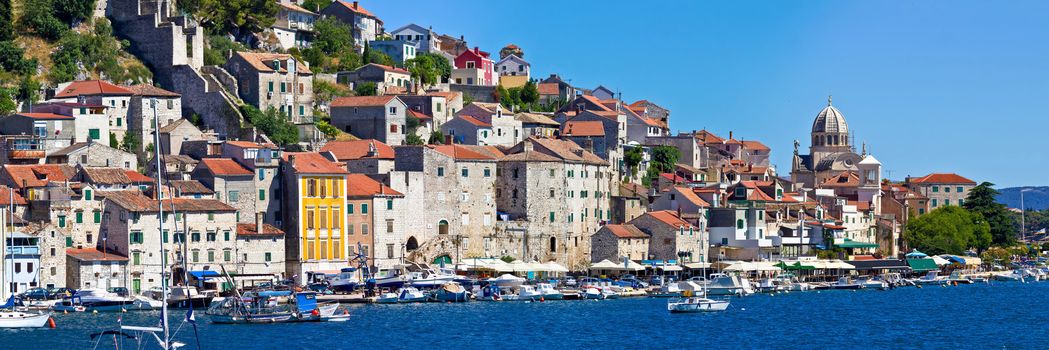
x=996, y=316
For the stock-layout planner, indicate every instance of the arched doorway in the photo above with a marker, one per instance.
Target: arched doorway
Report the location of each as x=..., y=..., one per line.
x=442, y=227
x=412, y=244
x=442, y=260
x=553, y=244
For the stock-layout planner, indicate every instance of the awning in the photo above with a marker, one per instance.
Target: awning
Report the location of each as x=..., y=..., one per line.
x=940, y=261
x=795, y=266
x=916, y=254
x=669, y=268
x=608, y=265
x=922, y=265
x=204, y=274
x=746, y=266
x=854, y=244
x=698, y=265
x=555, y=267
x=880, y=264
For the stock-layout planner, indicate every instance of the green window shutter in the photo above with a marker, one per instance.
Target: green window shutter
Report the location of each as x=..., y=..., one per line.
x=69, y=242
x=88, y=195
x=551, y=216
x=79, y=217
x=165, y=236
x=262, y=194
x=98, y=217
x=225, y=235
x=94, y=134
x=282, y=87
x=389, y=204
x=364, y=208
x=120, y=121
x=349, y=209
x=302, y=110
x=269, y=256
x=270, y=86
x=61, y=221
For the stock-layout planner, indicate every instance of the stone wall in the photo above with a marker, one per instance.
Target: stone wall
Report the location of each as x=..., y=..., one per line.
x=478, y=93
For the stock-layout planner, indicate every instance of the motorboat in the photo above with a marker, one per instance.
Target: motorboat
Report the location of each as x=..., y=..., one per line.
x=183, y=297
x=263, y=307
x=593, y=293
x=345, y=281
x=956, y=277
x=13, y=317
x=91, y=300
x=932, y=277
x=696, y=304
x=669, y=290
x=451, y=292
x=722, y=284
x=390, y=279
x=549, y=292
x=1013, y=276
x=489, y=292
x=845, y=283
x=507, y=281
x=431, y=278
x=872, y=283
x=770, y=285
x=404, y=295
x=524, y=293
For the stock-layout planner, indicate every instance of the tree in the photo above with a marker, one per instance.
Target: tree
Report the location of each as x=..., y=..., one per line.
x=414, y=139
x=272, y=123
x=366, y=89
x=948, y=230
x=12, y=59
x=28, y=90
x=664, y=158
x=436, y=138
x=73, y=11
x=218, y=47
x=7, y=28
x=633, y=158
x=529, y=93
x=237, y=17
x=424, y=70
x=981, y=201
x=38, y=17
x=440, y=63
x=316, y=5
x=332, y=35
x=131, y=142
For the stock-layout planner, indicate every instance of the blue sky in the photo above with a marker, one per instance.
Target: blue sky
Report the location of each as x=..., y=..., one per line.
x=930, y=86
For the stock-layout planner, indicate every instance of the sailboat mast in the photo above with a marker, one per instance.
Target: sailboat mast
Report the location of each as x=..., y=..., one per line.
x=160, y=226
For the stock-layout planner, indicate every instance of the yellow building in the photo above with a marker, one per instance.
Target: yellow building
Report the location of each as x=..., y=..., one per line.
x=315, y=224
x=510, y=81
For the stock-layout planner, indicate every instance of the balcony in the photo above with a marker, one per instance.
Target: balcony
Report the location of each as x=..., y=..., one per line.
x=23, y=250
x=24, y=147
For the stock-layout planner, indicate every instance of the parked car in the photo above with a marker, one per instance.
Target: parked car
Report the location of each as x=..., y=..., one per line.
x=569, y=281
x=59, y=293
x=656, y=280
x=121, y=291
x=632, y=282
x=35, y=294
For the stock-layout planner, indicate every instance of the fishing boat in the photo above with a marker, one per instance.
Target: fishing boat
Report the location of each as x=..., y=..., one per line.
x=262, y=307
x=451, y=292
x=845, y=283
x=956, y=277
x=549, y=292
x=872, y=283
x=92, y=300
x=11, y=316
x=431, y=278
x=404, y=295
x=931, y=278
x=391, y=279
x=525, y=293
x=184, y=297
x=507, y=281
x=345, y=281
x=696, y=304
x=770, y=285
x=593, y=293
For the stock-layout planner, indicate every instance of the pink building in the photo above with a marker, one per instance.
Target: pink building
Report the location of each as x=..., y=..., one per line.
x=474, y=67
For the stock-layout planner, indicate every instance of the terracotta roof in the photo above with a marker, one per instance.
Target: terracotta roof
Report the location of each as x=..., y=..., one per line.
x=38, y=175
x=113, y=176
x=250, y=230
x=262, y=62
x=474, y=121
x=533, y=118
x=356, y=7
x=249, y=144
x=630, y=189
x=706, y=137
x=448, y=95
x=313, y=163
x=360, y=185
x=362, y=101
x=225, y=167
x=942, y=178
x=626, y=231
x=5, y=195
x=583, y=128
x=358, y=149
x=150, y=90
x=419, y=115
x=488, y=150
x=460, y=153
x=387, y=68
x=672, y=177
x=296, y=8
x=92, y=87
x=189, y=187
x=46, y=116
x=529, y=156
x=73, y=148
x=93, y=254
x=843, y=179
x=562, y=149
x=169, y=127
x=691, y=196
x=755, y=146
x=548, y=89
x=861, y=206
x=137, y=202
x=670, y=218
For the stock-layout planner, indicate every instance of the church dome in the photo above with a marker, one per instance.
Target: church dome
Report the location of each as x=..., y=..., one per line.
x=830, y=120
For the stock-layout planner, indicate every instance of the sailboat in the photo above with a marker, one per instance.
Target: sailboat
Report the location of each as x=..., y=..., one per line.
x=10, y=315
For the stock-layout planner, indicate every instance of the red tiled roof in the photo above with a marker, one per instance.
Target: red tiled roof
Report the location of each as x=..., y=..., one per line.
x=137, y=177
x=626, y=231
x=548, y=89
x=5, y=195
x=360, y=185
x=313, y=163
x=474, y=121
x=448, y=95
x=356, y=7
x=137, y=202
x=261, y=62
x=93, y=254
x=249, y=144
x=706, y=137
x=113, y=176
x=295, y=8
x=92, y=87
x=38, y=175
x=251, y=230
x=389, y=69
x=150, y=90
x=583, y=128
x=755, y=146
x=46, y=116
x=672, y=177
x=225, y=167
x=362, y=101
x=419, y=115
x=942, y=178
x=460, y=153
x=691, y=196
x=189, y=187
x=358, y=149
x=670, y=218
x=843, y=179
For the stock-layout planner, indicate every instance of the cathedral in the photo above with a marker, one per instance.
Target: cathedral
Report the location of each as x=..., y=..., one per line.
x=830, y=153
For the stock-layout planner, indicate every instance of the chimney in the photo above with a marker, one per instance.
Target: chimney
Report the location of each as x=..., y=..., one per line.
x=372, y=152
x=355, y=5
x=528, y=147
x=447, y=139
x=730, y=135
x=291, y=160
x=258, y=223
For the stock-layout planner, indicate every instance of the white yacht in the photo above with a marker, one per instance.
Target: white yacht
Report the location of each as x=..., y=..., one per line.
x=722, y=284
x=873, y=283
x=404, y=295
x=430, y=278
x=931, y=278
x=549, y=292
x=99, y=300
x=524, y=292
x=696, y=304
x=507, y=281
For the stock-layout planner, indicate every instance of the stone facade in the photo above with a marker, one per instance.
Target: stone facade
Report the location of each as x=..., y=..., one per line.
x=275, y=81
x=671, y=237
x=91, y=268
x=93, y=154
x=613, y=242
x=383, y=118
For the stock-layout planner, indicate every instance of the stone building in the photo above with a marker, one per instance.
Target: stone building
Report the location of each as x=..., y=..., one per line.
x=384, y=77
x=672, y=238
x=115, y=99
x=375, y=221
x=52, y=242
x=203, y=231
x=831, y=151
x=370, y=157
x=560, y=192
x=260, y=248
x=232, y=184
x=614, y=242
x=941, y=188
x=263, y=160
x=93, y=268
x=173, y=134
x=278, y=81
x=483, y=124
x=451, y=189
x=365, y=25
x=145, y=101
x=631, y=202
x=383, y=118
x=93, y=154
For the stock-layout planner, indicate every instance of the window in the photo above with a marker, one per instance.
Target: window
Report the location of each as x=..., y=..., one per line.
x=323, y=216
x=302, y=110
x=212, y=236
x=551, y=172
x=350, y=229
x=268, y=257
x=393, y=109
x=94, y=134
x=211, y=216
x=364, y=208
x=364, y=229
x=196, y=256
x=234, y=196
x=225, y=235
x=120, y=122
x=933, y=203
x=165, y=236
x=466, y=172
x=551, y=216
x=61, y=221
x=393, y=128
x=946, y=202
x=262, y=194
x=211, y=255
x=283, y=88
x=960, y=189
x=69, y=242
x=936, y=188
x=79, y=217
x=195, y=236
x=440, y=171
x=88, y=195
x=438, y=106
x=739, y=224
x=227, y=255
x=262, y=174
x=349, y=208
x=389, y=204
x=136, y=258
x=961, y=202
x=488, y=172
x=946, y=189
x=389, y=225
x=136, y=237
x=310, y=220
x=270, y=87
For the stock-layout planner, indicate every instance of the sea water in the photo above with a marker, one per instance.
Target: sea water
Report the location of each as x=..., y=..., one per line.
x=982, y=316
